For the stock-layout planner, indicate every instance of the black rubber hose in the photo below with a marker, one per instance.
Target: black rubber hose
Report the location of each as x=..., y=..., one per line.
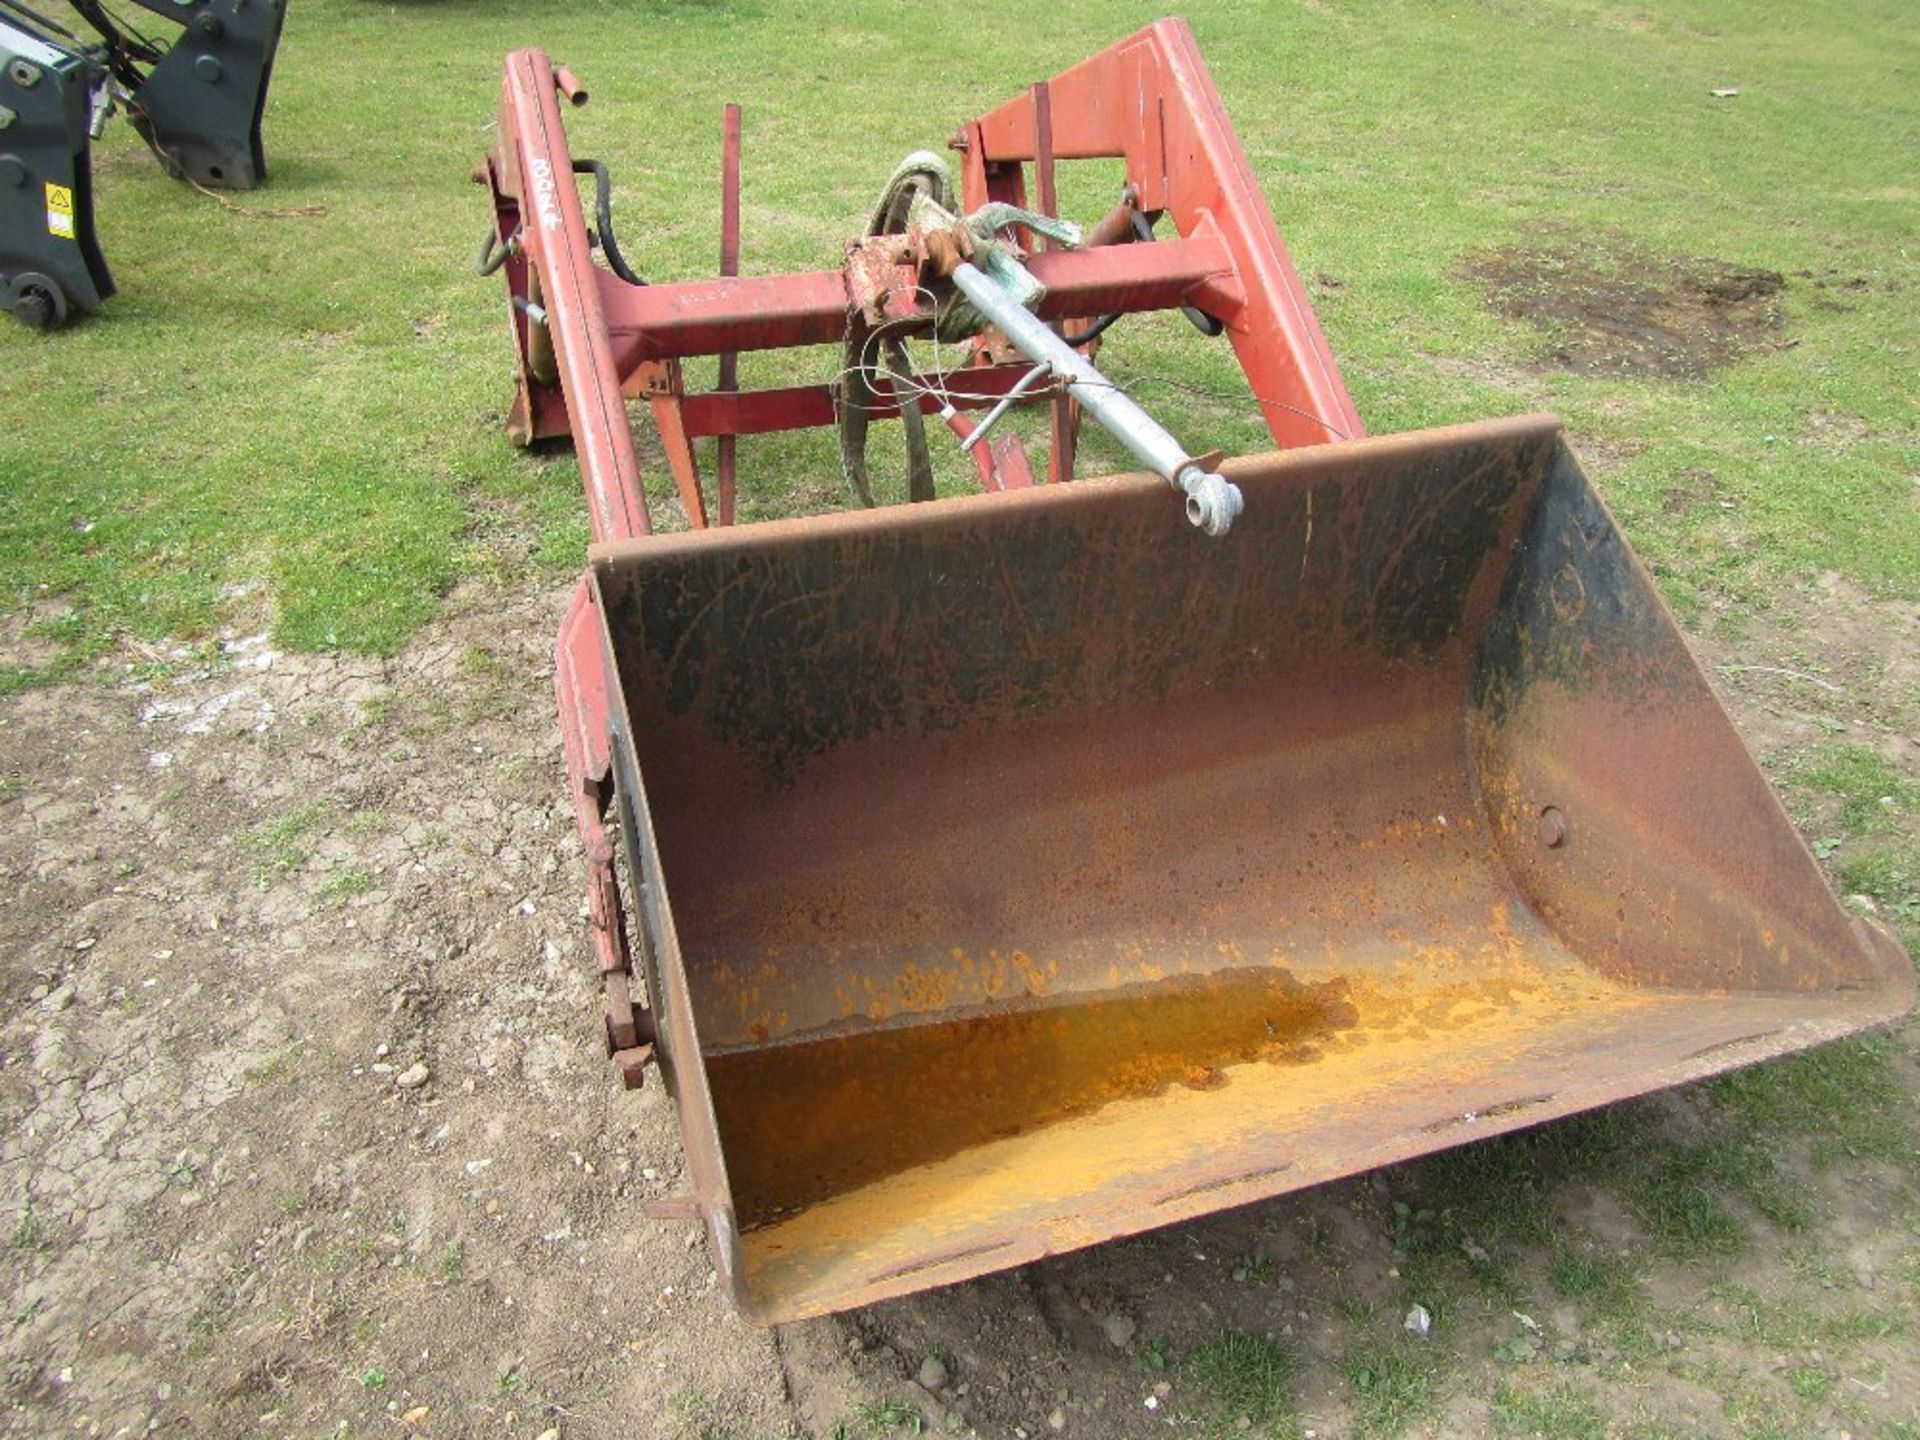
x=494, y=251
x=1142, y=228
x=47, y=23
x=1206, y=324
x=603, y=219
x=127, y=49
x=1092, y=332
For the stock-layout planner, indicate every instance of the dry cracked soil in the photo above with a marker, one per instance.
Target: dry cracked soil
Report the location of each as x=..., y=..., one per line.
x=307, y=1131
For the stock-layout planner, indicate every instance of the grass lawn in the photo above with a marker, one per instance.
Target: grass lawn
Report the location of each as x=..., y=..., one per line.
x=311, y=405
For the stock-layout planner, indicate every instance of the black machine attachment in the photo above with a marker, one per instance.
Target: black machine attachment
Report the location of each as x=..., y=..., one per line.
x=50, y=262
x=197, y=102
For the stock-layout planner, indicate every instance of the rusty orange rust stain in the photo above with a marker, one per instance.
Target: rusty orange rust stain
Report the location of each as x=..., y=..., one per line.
x=816, y=1116
x=804, y=1121
x=1159, y=1122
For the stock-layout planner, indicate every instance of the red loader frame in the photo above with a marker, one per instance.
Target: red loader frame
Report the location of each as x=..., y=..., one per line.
x=588, y=340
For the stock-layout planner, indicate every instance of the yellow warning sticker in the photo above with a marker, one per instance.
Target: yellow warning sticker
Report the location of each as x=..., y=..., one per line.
x=59, y=210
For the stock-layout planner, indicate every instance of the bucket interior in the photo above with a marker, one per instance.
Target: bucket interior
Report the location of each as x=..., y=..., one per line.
x=1033, y=869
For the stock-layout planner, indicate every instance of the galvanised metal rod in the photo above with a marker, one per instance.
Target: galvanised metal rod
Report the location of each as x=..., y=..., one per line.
x=1212, y=503
x=1020, y=387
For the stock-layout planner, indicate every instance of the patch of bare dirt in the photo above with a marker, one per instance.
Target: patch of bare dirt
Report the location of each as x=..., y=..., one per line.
x=1836, y=290
x=1826, y=662
x=238, y=908
x=1619, y=311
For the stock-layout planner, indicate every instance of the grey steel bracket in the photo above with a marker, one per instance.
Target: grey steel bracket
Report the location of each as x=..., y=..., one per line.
x=50, y=261
x=200, y=106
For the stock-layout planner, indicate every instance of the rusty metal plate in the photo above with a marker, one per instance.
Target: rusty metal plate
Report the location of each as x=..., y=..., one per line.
x=1172, y=873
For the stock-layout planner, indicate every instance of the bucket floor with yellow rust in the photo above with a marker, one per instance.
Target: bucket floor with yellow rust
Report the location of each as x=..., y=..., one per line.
x=1026, y=870
x=896, y=1165
x=816, y=1118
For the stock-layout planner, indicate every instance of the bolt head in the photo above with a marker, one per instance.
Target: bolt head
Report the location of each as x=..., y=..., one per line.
x=1552, y=828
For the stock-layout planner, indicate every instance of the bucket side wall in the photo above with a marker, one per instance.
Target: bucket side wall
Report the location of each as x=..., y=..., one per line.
x=1624, y=802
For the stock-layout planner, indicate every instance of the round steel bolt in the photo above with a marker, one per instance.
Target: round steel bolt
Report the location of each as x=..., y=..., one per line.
x=23, y=73
x=1552, y=828
x=207, y=68
x=13, y=173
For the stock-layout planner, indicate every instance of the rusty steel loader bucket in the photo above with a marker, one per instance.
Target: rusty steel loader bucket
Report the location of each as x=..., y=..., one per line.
x=1027, y=869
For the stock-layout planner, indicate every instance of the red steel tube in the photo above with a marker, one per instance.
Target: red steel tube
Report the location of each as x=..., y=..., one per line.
x=568, y=84
x=533, y=162
x=729, y=267
x=772, y=312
